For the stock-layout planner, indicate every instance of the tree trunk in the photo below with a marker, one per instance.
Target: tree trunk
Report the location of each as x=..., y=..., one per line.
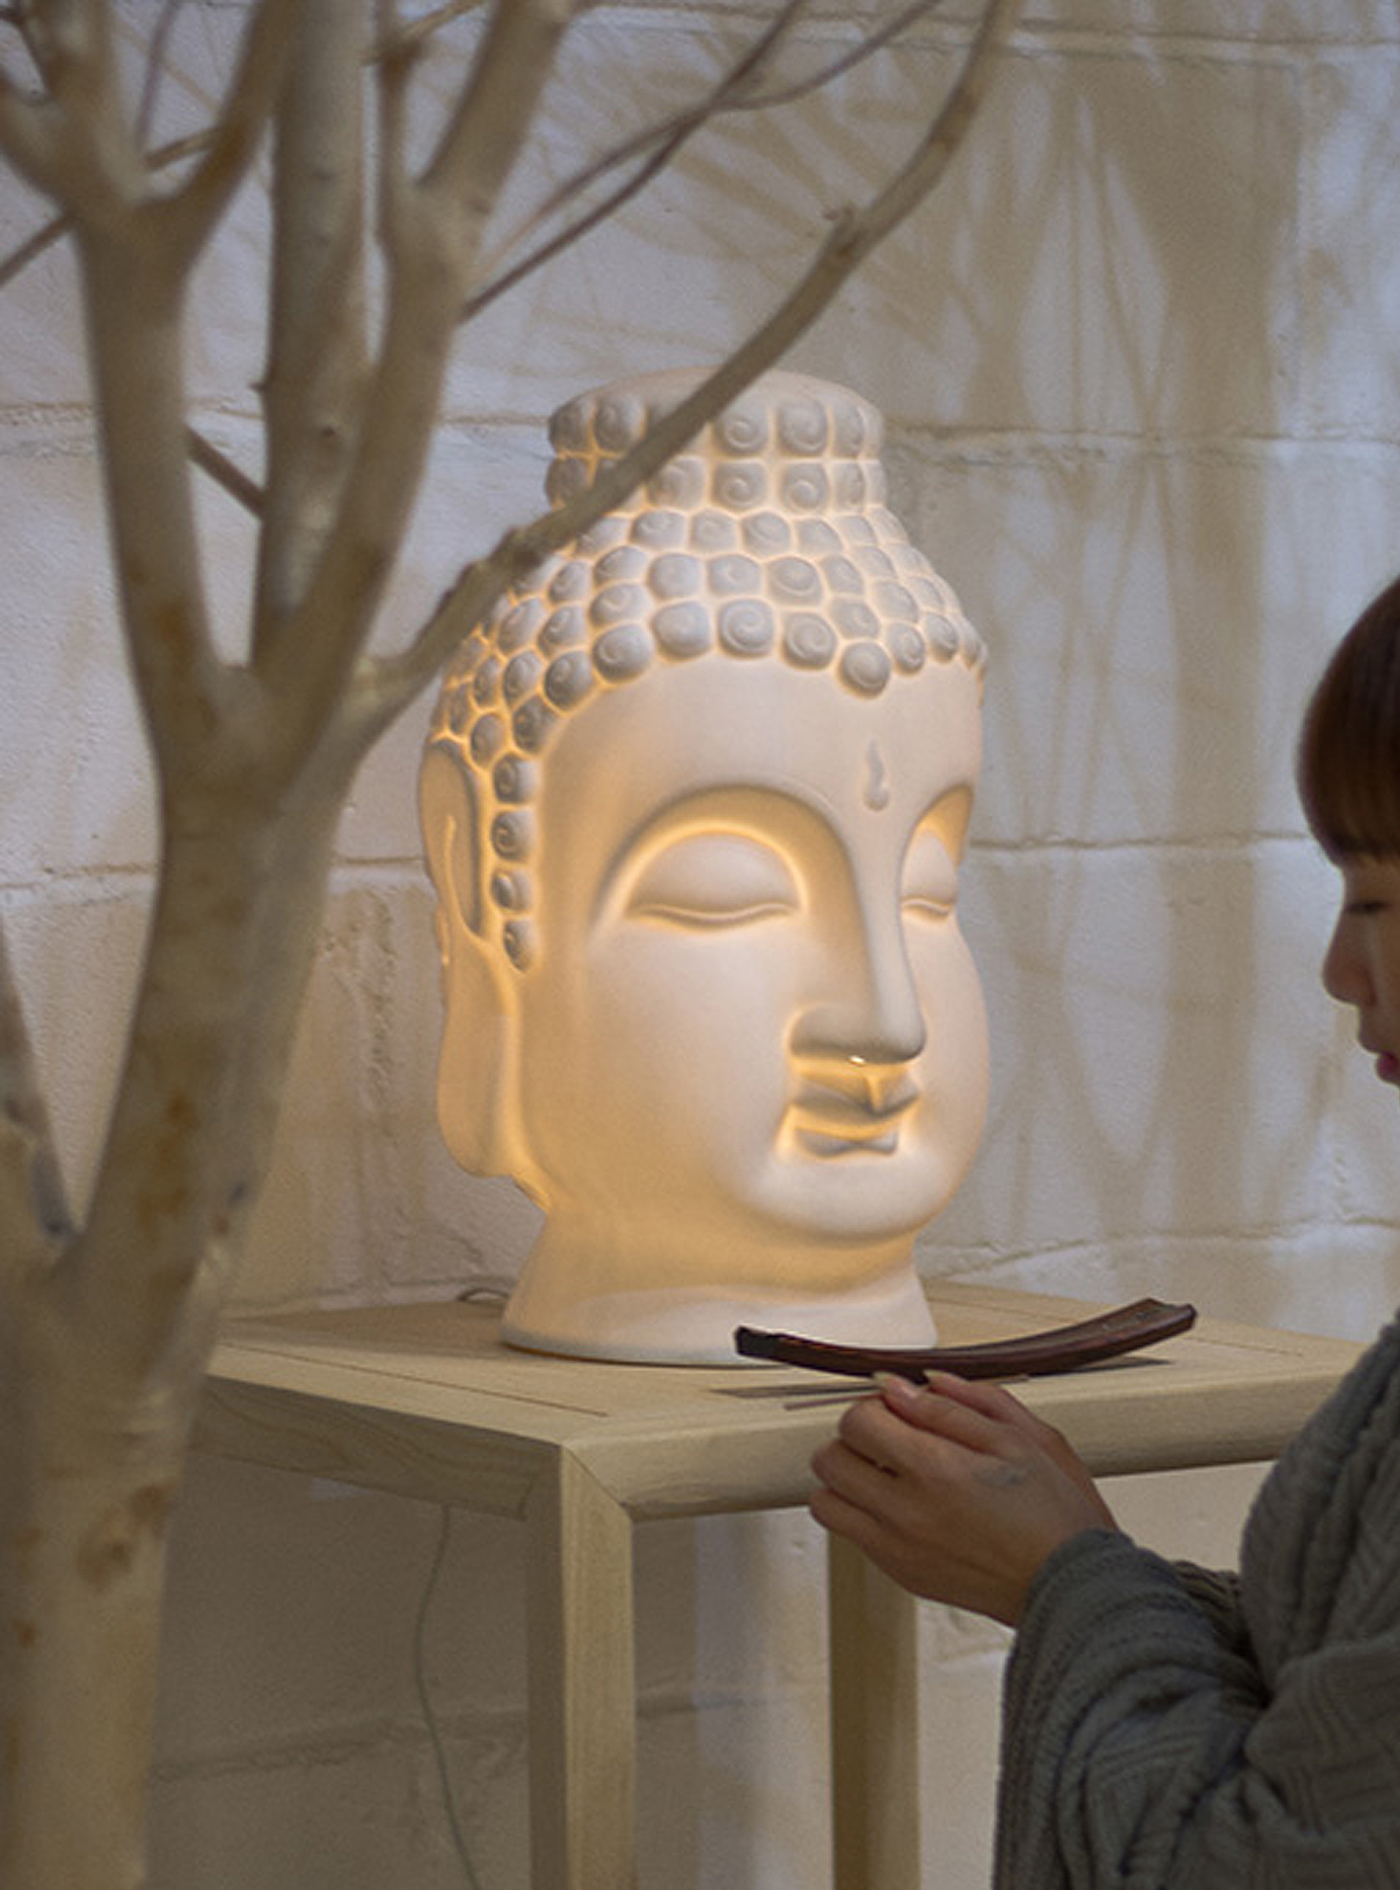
x=86, y=1505
x=103, y=1348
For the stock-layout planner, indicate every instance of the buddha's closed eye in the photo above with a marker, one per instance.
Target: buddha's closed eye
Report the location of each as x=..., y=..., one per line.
x=714, y=879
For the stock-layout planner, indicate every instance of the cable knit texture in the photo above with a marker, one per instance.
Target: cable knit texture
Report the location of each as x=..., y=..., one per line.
x=1166, y=1727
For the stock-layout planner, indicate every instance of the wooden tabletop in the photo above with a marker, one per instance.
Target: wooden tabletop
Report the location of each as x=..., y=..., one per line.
x=425, y=1400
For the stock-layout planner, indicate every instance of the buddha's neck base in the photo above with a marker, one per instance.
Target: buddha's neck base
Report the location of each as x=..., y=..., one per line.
x=691, y=1326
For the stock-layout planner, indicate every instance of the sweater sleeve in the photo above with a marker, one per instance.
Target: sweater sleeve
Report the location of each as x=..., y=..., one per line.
x=1141, y=1747
x=1216, y=1592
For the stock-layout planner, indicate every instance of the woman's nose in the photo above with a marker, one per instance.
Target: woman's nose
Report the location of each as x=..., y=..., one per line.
x=1344, y=971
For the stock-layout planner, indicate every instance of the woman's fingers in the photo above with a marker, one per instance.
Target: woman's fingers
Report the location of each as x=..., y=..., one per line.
x=904, y=1414
x=926, y=1407
x=852, y=1472
x=889, y=1443
x=955, y=1490
x=990, y=1400
x=844, y=1518
x=897, y=1431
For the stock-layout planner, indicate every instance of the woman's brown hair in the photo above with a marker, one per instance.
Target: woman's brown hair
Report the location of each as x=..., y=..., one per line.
x=1349, y=749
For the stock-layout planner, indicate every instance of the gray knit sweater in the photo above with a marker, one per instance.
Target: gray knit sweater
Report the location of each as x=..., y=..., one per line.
x=1170, y=1729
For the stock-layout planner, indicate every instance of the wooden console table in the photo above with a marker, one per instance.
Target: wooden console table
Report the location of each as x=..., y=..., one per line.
x=426, y=1402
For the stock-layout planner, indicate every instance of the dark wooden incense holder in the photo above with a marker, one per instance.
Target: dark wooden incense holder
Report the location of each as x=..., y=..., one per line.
x=1059, y=1349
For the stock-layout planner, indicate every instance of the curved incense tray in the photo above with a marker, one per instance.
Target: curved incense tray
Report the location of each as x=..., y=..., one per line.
x=1059, y=1349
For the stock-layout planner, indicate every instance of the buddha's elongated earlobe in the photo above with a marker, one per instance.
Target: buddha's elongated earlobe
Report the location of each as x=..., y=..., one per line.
x=447, y=816
x=478, y=1039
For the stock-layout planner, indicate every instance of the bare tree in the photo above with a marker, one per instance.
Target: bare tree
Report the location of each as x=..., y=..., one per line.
x=107, y=1323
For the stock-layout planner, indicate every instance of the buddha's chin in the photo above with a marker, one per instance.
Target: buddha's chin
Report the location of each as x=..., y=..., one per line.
x=853, y=1194
x=728, y=1254
x=834, y=1221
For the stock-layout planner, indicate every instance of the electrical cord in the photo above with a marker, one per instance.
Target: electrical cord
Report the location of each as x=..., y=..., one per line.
x=483, y=1289
x=430, y=1719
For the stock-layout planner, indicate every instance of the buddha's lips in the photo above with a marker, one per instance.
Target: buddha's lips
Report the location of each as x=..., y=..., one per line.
x=816, y=1143
x=829, y=1122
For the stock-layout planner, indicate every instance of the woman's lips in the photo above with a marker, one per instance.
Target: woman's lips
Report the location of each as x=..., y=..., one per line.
x=1388, y=1067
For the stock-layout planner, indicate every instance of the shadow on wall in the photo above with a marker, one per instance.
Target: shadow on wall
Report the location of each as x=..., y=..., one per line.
x=1087, y=349
x=1159, y=583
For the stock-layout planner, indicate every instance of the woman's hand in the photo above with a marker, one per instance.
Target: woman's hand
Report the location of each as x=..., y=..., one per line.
x=955, y=1490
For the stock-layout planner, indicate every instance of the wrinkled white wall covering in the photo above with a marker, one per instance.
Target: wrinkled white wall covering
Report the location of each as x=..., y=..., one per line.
x=1138, y=366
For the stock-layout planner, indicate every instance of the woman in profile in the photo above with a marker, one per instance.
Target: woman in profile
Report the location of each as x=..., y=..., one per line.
x=1166, y=1726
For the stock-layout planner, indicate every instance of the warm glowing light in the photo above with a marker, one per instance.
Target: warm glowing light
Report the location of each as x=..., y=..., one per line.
x=695, y=803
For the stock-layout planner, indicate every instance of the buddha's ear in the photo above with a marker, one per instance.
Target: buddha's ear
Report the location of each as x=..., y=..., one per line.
x=478, y=1038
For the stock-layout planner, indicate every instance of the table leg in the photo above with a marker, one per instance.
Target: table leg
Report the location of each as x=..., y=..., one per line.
x=874, y=1725
x=583, y=1736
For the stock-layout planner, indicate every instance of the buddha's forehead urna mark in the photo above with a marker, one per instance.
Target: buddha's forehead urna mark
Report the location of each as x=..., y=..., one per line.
x=766, y=541
x=876, y=792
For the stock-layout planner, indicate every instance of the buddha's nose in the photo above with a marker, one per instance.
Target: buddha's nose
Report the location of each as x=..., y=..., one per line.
x=872, y=1013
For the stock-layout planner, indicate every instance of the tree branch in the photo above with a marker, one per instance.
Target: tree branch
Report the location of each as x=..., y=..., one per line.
x=190, y=213
x=135, y=252
x=27, y=136
x=408, y=36
x=34, y=246
x=155, y=68
x=94, y=164
x=221, y=469
x=133, y=324
x=230, y=946
x=49, y=233
x=869, y=44
x=393, y=70
x=21, y=18
x=204, y=454
x=431, y=239
x=387, y=683
x=32, y=1196
x=314, y=381
x=487, y=130
x=404, y=37
x=658, y=145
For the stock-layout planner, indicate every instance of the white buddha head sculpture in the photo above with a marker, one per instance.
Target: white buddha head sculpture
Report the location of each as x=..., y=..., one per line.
x=694, y=801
